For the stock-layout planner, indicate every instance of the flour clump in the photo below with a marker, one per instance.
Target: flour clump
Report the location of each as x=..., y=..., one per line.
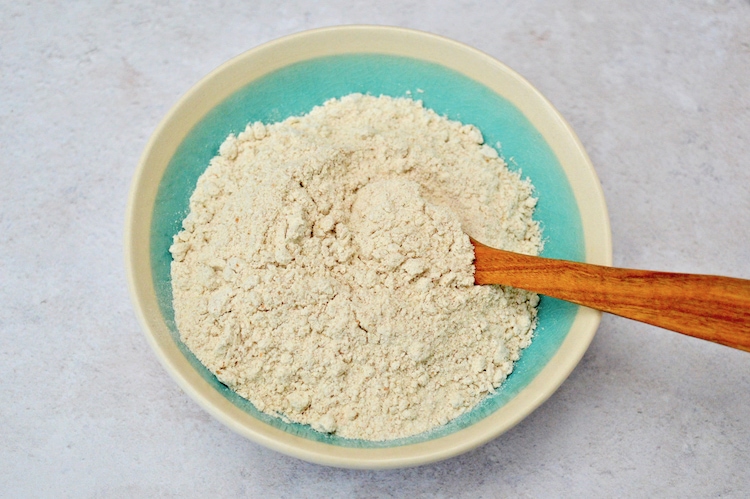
x=324, y=270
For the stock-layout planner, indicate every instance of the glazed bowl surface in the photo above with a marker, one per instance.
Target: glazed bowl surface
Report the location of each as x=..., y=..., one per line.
x=290, y=76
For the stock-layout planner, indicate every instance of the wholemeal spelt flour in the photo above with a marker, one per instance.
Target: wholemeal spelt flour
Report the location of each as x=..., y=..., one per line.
x=324, y=272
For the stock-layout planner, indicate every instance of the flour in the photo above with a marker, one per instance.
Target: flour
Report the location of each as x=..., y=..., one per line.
x=324, y=272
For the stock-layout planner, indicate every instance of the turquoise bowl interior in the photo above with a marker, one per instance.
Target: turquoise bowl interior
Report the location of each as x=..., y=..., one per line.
x=295, y=90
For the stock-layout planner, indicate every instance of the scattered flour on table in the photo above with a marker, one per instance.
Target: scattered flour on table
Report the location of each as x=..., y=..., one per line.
x=324, y=271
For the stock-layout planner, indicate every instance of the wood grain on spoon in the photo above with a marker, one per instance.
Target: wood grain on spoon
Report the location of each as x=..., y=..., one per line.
x=704, y=306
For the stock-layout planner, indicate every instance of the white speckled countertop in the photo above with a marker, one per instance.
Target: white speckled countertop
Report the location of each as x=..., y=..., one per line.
x=658, y=92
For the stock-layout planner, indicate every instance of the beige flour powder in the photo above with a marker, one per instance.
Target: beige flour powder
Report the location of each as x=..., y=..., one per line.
x=324, y=271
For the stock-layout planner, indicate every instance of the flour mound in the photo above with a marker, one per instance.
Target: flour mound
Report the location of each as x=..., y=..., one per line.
x=324, y=272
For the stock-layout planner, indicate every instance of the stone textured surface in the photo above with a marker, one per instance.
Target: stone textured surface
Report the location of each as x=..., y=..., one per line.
x=658, y=93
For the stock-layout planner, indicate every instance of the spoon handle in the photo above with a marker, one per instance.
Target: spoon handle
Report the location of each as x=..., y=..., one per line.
x=704, y=306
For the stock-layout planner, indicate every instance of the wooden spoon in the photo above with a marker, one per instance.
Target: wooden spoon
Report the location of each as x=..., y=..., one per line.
x=704, y=306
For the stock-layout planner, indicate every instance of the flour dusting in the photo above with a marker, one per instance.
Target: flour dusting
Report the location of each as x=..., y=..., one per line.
x=324, y=272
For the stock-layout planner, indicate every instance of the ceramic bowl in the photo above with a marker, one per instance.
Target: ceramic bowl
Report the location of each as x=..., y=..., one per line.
x=288, y=77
